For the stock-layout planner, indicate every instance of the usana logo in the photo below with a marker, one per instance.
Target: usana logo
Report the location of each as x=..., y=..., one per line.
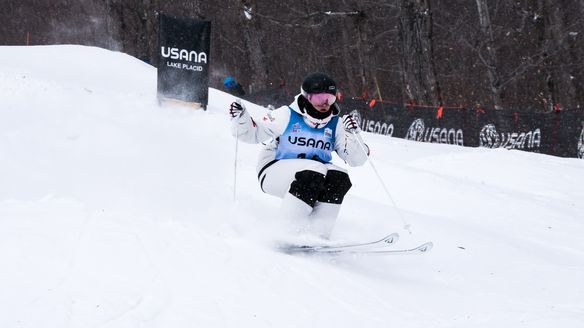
x=183, y=54
x=377, y=127
x=490, y=138
x=416, y=130
x=419, y=132
x=310, y=142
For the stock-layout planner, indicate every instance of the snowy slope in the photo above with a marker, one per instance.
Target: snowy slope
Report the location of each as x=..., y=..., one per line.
x=115, y=212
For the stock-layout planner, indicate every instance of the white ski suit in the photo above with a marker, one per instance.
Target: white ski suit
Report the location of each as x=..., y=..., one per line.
x=295, y=163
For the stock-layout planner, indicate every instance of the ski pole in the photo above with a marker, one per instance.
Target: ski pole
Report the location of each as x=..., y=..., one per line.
x=357, y=135
x=235, y=169
x=235, y=161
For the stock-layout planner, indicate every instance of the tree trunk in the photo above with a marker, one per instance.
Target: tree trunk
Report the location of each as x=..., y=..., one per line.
x=362, y=54
x=252, y=37
x=417, y=57
x=488, y=54
x=347, y=61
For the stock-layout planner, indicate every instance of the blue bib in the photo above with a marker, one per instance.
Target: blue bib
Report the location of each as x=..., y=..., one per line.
x=299, y=140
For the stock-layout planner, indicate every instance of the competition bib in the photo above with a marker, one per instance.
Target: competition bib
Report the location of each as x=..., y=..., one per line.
x=299, y=140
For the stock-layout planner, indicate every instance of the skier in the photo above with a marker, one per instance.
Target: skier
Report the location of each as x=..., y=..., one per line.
x=295, y=164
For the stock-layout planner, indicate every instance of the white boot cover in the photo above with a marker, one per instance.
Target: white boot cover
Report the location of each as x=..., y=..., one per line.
x=295, y=213
x=323, y=218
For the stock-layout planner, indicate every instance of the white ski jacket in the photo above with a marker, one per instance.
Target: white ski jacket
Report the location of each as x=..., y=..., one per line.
x=274, y=123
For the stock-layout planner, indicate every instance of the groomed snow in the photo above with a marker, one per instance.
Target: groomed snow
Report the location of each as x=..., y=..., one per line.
x=115, y=212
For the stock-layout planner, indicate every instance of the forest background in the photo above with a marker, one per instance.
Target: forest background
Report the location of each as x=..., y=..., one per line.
x=521, y=55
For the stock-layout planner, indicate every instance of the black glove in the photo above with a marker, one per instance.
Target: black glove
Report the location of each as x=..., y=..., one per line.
x=350, y=124
x=236, y=109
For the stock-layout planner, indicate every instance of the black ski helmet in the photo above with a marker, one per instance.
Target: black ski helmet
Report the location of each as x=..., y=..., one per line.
x=318, y=83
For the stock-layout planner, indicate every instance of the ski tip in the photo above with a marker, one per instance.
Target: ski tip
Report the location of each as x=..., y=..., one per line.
x=425, y=248
x=391, y=239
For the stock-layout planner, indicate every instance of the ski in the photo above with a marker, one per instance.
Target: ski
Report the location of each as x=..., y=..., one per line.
x=376, y=244
x=424, y=248
x=361, y=249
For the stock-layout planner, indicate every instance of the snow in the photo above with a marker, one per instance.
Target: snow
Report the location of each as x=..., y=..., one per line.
x=115, y=212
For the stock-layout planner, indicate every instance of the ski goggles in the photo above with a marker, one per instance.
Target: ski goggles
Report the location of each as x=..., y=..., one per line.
x=320, y=99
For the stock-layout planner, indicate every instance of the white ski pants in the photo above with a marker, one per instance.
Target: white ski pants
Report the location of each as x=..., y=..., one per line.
x=276, y=178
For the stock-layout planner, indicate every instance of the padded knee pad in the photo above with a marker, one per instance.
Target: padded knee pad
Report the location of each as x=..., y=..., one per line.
x=336, y=186
x=307, y=186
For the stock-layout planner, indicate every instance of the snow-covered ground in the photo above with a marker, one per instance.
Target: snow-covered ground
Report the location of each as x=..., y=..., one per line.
x=115, y=212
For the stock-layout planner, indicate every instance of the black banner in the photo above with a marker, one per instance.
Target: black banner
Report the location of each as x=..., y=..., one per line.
x=556, y=133
x=183, y=67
